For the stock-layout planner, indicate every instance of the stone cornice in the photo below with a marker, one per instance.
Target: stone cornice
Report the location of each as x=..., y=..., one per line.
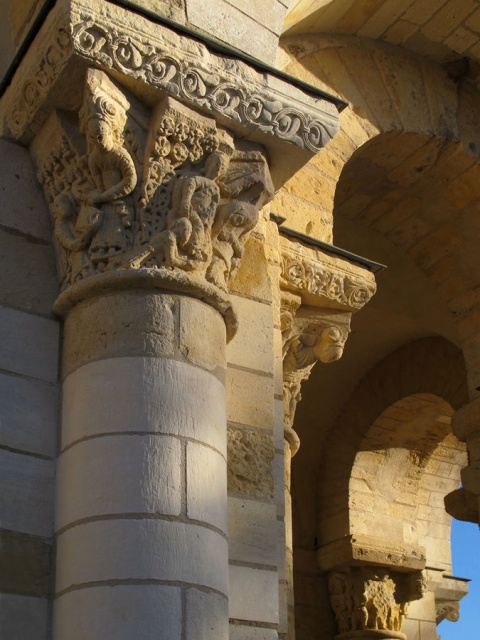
x=324, y=281
x=149, y=58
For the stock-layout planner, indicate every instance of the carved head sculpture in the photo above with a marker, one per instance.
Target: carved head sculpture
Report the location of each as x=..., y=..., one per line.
x=103, y=114
x=330, y=344
x=216, y=165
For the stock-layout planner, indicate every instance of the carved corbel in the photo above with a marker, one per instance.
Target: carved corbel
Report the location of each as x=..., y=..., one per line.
x=309, y=335
x=319, y=295
x=372, y=602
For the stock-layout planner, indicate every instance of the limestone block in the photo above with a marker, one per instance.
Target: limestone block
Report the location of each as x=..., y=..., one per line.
x=22, y=205
x=249, y=398
x=25, y=563
x=152, y=464
x=141, y=550
x=253, y=594
x=28, y=279
x=202, y=334
x=207, y=615
x=206, y=481
x=29, y=344
x=122, y=612
x=28, y=415
x=252, y=530
x=250, y=457
x=278, y=437
x=230, y=25
x=188, y=401
x=304, y=216
x=173, y=9
x=123, y=324
x=241, y=632
x=26, y=499
x=252, y=279
x=23, y=617
x=252, y=347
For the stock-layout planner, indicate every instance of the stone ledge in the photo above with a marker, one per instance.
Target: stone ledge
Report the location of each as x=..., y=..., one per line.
x=322, y=280
x=150, y=58
x=361, y=550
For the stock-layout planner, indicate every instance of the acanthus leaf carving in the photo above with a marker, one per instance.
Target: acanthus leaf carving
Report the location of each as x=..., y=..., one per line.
x=168, y=191
x=304, y=274
x=373, y=599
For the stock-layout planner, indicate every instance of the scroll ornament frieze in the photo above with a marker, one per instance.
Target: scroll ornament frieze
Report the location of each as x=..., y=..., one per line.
x=302, y=273
x=189, y=78
x=373, y=599
x=161, y=59
x=163, y=190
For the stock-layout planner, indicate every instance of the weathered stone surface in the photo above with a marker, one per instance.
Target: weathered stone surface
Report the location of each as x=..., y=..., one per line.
x=88, y=392
x=207, y=615
x=29, y=284
x=249, y=398
x=119, y=325
x=206, y=495
x=22, y=207
x=91, y=552
x=95, y=611
x=28, y=415
x=21, y=617
x=251, y=529
x=252, y=346
x=242, y=632
x=250, y=457
x=253, y=594
x=29, y=345
x=25, y=567
x=26, y=499
x=152, y=463
x=201, y=334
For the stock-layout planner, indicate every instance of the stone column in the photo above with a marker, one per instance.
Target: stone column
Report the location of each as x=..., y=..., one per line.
x=141, y=482
x=149, y=228
x=319, y=295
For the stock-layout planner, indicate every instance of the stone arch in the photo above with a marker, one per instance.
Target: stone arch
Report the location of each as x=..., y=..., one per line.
x=407, y=462
x=404, y=164
x=426, y=368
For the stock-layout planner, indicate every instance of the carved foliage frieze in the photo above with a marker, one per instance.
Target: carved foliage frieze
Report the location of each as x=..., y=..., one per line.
x=305, y=274
x=131, y=188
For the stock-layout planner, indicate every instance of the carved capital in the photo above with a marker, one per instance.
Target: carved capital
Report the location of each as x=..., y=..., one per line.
x=319, y=295
x=373, y=601
x=157, y=197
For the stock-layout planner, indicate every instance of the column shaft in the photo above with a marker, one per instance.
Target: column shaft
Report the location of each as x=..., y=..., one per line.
x=141, y=507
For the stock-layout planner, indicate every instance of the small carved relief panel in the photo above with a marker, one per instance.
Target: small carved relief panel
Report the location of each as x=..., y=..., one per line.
x=130, y=188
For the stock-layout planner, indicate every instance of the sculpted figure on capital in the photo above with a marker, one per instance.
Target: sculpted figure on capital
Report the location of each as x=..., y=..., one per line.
x=133, y=188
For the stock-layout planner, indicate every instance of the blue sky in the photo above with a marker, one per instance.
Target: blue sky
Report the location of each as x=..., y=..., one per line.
x=466, y=564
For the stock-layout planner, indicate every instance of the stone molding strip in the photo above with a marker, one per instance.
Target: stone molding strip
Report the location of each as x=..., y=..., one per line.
x=106, y=36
